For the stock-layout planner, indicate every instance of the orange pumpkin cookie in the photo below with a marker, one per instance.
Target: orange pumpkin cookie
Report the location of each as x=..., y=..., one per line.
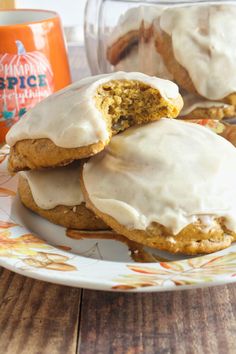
x=181, y=199
x=79, y=121
x=202, y=62
x=56, y=196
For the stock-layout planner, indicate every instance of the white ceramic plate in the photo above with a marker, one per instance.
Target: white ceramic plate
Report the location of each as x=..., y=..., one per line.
x=32, y=246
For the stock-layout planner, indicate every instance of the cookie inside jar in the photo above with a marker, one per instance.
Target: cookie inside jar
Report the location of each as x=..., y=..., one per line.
x=131, y=43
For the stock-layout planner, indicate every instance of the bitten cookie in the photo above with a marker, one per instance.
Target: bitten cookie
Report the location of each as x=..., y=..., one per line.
x=169, y=185
x=56, y=195
x=79, y=121
x=191, y=40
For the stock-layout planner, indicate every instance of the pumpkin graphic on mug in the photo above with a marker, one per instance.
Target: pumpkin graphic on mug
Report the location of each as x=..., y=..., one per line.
x=25, y=79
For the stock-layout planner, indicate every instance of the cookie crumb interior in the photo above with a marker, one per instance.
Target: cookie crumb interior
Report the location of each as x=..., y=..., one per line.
x=130, y=102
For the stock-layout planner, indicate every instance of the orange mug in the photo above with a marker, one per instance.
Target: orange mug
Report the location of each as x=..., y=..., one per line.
x=33, y=62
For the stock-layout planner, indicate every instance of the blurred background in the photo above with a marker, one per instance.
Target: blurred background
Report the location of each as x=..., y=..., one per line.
x=70, y=11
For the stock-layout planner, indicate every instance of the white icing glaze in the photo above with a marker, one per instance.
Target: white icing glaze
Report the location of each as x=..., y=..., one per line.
x=58, y=186
x=145, y=58
x=192, y=102
x=70, y=118
x=208, y=223
x=204, y=41
x=169, y=171
x=132, y=20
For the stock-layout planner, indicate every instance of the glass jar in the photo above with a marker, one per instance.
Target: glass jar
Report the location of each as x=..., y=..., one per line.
x=190, y=42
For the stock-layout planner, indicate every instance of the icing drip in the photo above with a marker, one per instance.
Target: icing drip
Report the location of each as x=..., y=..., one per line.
x=70, y=118
x=58, y=186
x=204, y=43
x=170, y=172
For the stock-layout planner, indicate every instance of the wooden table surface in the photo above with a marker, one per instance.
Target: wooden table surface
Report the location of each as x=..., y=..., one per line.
x=42, y=318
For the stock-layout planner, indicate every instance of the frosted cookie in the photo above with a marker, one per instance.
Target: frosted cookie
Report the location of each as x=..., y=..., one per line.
x=168, y=185
x=192, y=41
x=131, y=45
x=56, y=195
x=196, y=107
x=79, y=121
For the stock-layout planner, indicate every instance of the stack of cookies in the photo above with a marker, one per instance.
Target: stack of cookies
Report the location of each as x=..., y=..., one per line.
x=72, y=125
x=105, y=153
x=193, y=45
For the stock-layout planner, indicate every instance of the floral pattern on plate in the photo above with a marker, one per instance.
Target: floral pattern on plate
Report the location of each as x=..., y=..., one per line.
x=189, y=272
x=28, y=248
x=35, y=256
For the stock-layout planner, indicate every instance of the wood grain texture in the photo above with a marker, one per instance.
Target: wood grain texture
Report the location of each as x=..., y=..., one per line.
x=37, y=317
x=186, y=322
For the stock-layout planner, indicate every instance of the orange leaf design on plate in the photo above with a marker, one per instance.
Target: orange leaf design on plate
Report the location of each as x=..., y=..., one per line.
x=51, y=261
x=175, y=266
x=34, y=262
x=22, y=245
x=2, y=158
x=30, y=240
x=145, y=284
x=123, y=287
x=63, y=267
x=45, y=258
x=53, y=257
x=4, y=192
x=210, y=266
x=133, y=281
x=146, y=270
x=7, y=224
x=221, y=260
x=4, y=235
x=190, y=281
x=179, y=282
x=197, y=262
